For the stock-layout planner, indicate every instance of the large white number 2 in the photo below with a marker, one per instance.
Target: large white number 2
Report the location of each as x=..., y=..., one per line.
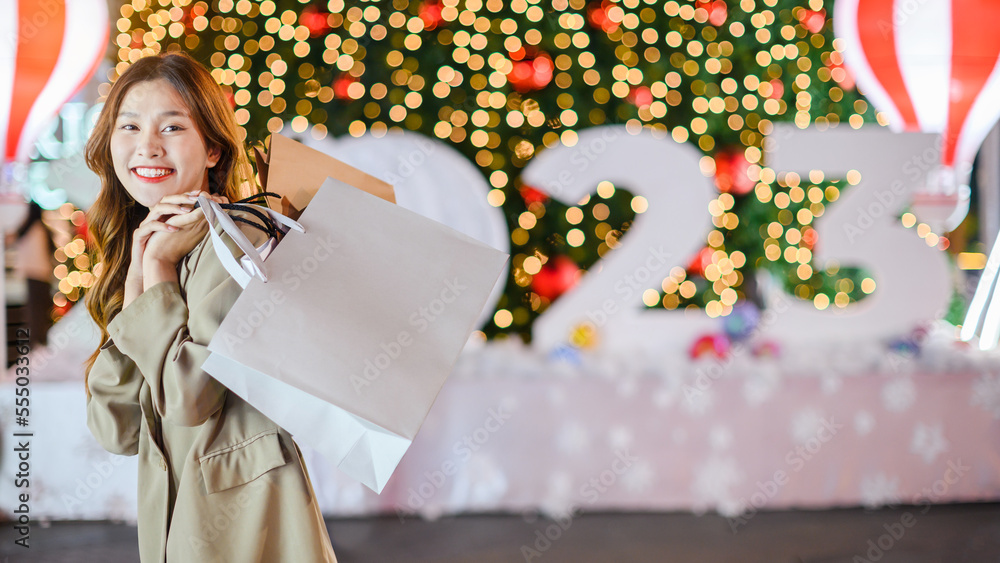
x=862, y=229
x=673, y=228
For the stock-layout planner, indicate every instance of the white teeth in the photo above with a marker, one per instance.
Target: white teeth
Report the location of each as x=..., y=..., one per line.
x=152, y=172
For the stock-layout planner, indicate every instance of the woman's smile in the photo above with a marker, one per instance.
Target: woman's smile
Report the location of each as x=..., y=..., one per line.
x=151, y=174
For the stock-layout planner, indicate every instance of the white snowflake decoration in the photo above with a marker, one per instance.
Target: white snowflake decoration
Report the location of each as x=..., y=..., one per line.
x=830, y=383
x=489, y=483
x=697, y=401
x=864, y=423
x=928, y=441
x=759, y=387
x=713, y=482
x=665, y=396
x=986, y=393
x=720, y=437
x=899, y=394
x=638, y=478
x=627, y=387
x=557, y=396
x=620, y=437
x=806, y=424
x=559, y=497
x=879, y=490
x=572, y=438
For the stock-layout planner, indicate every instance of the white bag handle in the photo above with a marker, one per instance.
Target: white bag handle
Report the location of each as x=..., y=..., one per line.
x=213, y=211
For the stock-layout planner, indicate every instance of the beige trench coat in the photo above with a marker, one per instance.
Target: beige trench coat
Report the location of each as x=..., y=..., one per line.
x=218, y=480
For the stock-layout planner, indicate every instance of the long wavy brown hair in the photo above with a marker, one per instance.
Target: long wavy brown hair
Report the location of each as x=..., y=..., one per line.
x=115, y=215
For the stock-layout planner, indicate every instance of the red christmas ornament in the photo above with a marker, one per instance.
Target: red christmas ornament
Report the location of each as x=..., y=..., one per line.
x=315, y=21
x=812, y=20
x=809, y=237
x=340, y=86
x=731, y=167
x=61, y=310
x=641, y=96
x=190, y=13
x=82, y=232
x=597, y=15
x=230, y=98
x=430, y=13
x=716, y=345
x=717, y=11
x=531, y=195
x=777, y=89
x=530, y=72
x=697, y=265
x=557, y=276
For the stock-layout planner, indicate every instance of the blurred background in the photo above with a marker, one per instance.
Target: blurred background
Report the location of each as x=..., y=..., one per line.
x=749, y=311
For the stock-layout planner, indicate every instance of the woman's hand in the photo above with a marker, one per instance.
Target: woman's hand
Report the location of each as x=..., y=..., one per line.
x=154, y=221
x=164, y=249
x=168, y=233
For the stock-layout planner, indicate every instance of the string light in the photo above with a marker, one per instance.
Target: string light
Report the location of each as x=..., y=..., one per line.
x=491, y=79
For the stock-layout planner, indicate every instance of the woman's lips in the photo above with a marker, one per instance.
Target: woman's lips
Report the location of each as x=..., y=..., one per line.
x=152, y=174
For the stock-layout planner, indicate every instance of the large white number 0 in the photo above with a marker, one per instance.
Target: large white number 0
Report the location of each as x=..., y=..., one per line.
x=673, y=228
x=433, y=179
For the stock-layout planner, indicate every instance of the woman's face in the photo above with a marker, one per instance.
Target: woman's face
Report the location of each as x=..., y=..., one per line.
x=156, y=147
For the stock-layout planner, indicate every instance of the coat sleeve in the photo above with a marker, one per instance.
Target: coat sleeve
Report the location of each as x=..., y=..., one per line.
x=166, y=333
x=113, y=412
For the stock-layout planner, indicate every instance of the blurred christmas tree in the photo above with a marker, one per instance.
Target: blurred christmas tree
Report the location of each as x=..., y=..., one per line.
x=73, y=268
x=501, y=81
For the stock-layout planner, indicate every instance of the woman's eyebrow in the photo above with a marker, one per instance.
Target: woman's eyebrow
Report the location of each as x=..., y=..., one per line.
x=170, y=113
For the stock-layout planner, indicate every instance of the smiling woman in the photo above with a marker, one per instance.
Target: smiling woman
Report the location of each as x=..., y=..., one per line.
x=217, y=479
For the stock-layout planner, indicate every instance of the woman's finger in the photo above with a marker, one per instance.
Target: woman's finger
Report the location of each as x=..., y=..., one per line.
x=186, y=219
x=160, y=214
x=201, y=193
x=187, y=197
x=214, y=197
x=146, y=229
x=161, y=209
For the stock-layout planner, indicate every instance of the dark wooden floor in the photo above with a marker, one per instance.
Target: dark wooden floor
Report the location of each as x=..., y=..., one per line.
x=946, y=534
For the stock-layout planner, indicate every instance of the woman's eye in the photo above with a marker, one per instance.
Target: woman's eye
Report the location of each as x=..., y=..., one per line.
x=128, y=127
x=174, y=128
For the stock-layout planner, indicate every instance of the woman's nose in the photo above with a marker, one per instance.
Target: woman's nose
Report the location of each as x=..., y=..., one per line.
x=150, y=145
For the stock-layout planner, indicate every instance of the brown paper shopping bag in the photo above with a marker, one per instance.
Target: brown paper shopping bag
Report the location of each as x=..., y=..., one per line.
x=360, y=320
x=296, y=171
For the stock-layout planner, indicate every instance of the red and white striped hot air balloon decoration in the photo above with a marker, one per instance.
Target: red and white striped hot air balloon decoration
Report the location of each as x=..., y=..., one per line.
x=929, y=66
x=50, y=49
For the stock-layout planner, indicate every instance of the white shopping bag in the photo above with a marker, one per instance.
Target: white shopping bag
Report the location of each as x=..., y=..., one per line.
x=347, y=332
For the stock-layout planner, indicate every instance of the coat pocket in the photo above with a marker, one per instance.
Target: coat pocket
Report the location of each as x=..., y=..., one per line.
x=241, y=463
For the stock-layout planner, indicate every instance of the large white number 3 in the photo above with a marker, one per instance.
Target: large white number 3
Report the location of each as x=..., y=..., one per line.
x=673, y=228
x=862, y=229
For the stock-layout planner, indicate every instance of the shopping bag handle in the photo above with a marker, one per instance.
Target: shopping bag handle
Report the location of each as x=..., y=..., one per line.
x=288, y=222
x=214, y=212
